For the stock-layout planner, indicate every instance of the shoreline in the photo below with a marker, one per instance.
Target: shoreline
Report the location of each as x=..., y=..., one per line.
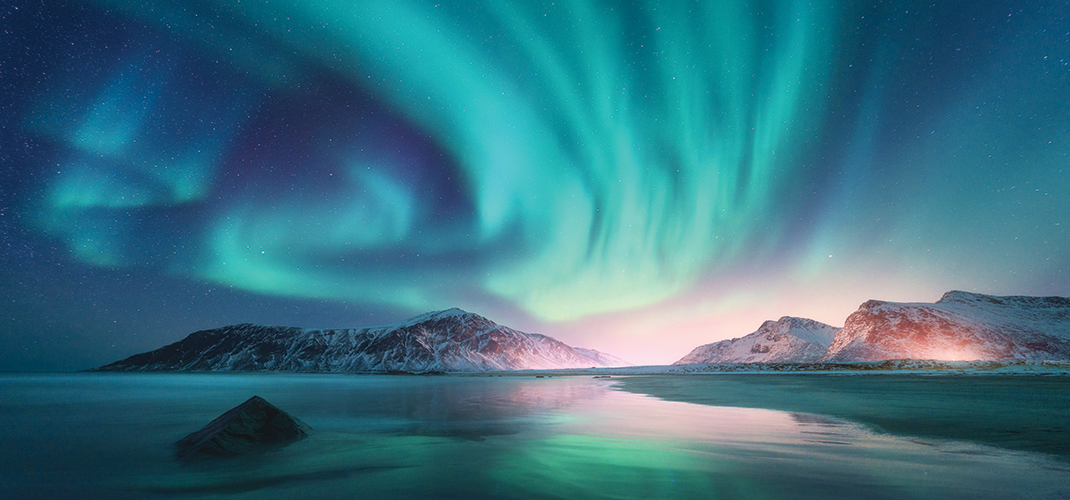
x=1012, y=412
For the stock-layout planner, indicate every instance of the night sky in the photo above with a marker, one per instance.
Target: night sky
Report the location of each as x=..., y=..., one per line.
x=634, y=177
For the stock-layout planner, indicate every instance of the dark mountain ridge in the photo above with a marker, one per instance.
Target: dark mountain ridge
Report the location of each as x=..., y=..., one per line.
x=443, y=341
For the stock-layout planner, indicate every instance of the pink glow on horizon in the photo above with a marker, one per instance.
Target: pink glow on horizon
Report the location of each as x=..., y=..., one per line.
x=664, y=333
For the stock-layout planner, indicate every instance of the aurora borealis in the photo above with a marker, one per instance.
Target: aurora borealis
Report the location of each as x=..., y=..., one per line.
x=638, y=178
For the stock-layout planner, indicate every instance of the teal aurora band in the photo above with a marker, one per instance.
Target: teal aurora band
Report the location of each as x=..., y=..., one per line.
x=546, y=163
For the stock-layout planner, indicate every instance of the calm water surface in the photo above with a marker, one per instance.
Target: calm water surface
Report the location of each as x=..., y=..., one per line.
x=110, y=436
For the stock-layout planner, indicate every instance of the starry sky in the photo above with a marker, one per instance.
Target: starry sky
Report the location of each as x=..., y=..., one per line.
x=634, y=177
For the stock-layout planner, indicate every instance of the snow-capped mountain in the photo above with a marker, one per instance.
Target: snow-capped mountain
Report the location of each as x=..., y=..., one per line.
x=451, y=341
x=602, y=358
x=960, y=326
x=788, y=340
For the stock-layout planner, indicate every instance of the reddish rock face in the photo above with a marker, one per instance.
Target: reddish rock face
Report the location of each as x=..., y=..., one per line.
x=960, y=326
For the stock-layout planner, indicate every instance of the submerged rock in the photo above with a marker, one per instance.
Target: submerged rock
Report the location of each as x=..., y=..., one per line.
x=254, y=425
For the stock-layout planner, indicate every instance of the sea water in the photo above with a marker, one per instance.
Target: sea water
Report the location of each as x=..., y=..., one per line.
x=111, y=436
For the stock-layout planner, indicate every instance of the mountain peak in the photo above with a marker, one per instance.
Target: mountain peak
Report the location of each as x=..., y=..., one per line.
x=452, y=312
x=789, y=339
x=451, y=340
x=446, y=313
x=961, y=325
x=970, y=298
x=961, y=296
x=797, y=322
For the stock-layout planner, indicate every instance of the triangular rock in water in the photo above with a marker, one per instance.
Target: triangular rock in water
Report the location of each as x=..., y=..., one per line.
x=251, y=426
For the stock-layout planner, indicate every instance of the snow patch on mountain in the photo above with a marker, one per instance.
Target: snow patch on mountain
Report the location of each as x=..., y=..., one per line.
x=960, y=326
x=442, y=341
x=784, y=341
x=601, y=358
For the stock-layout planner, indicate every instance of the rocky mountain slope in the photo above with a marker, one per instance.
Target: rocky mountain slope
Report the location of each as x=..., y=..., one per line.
x=960, y=326
x=602, y=358
x=450, y=341
x=788, y=340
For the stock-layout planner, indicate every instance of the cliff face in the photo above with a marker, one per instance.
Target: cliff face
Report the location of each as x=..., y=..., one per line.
x=788, y=340
x=960, y=326
x=451, y=341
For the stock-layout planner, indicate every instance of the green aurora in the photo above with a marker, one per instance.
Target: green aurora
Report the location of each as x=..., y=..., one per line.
x=568, y=166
